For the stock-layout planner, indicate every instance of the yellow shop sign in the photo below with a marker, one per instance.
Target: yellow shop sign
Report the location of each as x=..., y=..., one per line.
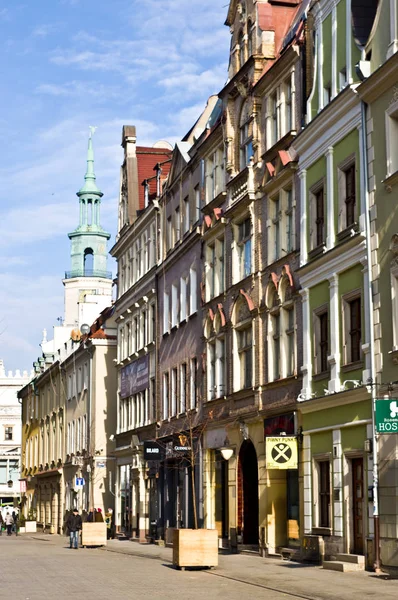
x=281, y=452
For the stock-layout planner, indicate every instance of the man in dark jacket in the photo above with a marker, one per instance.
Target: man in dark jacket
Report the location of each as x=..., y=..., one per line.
x=74, y=525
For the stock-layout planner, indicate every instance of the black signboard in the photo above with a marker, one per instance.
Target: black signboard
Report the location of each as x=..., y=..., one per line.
x=153, y=451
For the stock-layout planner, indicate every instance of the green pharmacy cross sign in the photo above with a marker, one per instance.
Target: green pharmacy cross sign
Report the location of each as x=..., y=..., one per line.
x=386, y=417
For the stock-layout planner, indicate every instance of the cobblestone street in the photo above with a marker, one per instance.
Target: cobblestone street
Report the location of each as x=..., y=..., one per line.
x=43, y=567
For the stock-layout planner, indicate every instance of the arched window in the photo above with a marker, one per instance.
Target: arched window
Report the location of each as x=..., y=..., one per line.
x=243, y=346
x=241, y=43
x=88, y=261
x=249, y=38
x=246, y=137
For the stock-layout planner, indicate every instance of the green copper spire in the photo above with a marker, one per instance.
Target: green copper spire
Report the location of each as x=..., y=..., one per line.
x=90, y=186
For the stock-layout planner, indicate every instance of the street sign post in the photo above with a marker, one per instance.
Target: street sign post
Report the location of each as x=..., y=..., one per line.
x=386, y=415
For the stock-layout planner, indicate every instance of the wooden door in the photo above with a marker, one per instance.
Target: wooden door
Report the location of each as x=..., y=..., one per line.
x=357, y=506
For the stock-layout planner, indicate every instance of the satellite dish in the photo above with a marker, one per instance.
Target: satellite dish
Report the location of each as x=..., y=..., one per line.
x=75, y=335
x=163, y=144
x=85, y=329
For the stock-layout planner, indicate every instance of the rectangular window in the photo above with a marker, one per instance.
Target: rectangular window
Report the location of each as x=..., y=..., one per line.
x=85, y=433
x=276, y=221
x=220, y=367
x=211, y=378
x=274, y=118
x=8, y=433
x=288, y=107
x=324, y=493
x=319, y=218
x=177, y=225
x=276, y=336
x=166, y=312
x=245, y=357
x=321, y=337
x=166, y=396
x=193, y=383
x=169, y=233
x=183, y=388
x=289, y=221
x=198, y=205
x=355, y=330
x=350, y=200
x=193, y=292
x=173, y=408
x=186, y=216
x=246, y=145
x=174, y=305
x=290, y=359
x=183, y=298
x=245, y=248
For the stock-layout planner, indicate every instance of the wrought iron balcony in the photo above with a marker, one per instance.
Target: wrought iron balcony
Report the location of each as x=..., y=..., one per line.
x=88, y=273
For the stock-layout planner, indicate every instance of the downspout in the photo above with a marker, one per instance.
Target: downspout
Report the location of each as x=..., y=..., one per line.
x=369, y=291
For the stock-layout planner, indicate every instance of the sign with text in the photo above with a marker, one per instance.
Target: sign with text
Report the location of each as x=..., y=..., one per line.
x=386, y=417
x=181, y=444
x=153, y=451
x=134, y=377
x=281, y=452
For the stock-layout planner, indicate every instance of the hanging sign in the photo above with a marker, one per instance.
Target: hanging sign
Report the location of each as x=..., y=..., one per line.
x=153, y=451
x=181, y=444
x=281, y=452
x=386, y=417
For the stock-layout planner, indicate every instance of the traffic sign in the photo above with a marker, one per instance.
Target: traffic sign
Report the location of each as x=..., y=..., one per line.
x=281, y=452
x=386, y=416
x=79, y=482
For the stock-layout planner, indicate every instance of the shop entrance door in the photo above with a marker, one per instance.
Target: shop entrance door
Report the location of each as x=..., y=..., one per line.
x=248, y=494
x=357, y=505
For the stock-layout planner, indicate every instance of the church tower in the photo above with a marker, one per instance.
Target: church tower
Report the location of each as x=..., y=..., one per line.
x=88, y=285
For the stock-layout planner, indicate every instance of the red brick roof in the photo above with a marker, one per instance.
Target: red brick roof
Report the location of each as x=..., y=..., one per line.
x=147, y=158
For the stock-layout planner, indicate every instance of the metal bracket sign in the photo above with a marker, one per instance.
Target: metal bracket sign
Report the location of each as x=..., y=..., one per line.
x=281, y=452
x=386, y=416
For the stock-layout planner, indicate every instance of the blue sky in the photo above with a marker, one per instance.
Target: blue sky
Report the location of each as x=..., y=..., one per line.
x=68, y=64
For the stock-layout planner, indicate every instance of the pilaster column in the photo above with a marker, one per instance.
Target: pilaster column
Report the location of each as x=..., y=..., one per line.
x=320, y=65
x=393, y=45
x=348, y=41
x=307, y=483
x=303, y=217
x=334, y=357
x=307, y=362
x=366, y=308
x=334, y=51
x=330, y=239
x=337, y=484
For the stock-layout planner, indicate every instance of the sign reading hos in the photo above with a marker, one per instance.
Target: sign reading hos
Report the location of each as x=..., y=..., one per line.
x=281, y=452
x=386, y=418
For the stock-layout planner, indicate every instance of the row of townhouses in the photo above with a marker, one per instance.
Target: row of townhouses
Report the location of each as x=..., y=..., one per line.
x=255, y=326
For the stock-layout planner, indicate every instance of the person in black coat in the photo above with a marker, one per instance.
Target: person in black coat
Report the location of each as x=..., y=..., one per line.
x=74, y=525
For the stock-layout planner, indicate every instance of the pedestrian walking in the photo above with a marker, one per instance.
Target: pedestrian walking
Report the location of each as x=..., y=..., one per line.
x=74, y=525
x=9, y=521
x=15, y=517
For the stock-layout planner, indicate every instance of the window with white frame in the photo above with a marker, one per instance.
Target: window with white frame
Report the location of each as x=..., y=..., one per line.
x=321, y=339
x=193, y=385
x=244, y=249
x=186, y=216
x=173, y=393
x=193, y=291
x=289, y=218
x=85, y=433
x=347, y=194
x=215, y=269
x=198, y=204
x=215, y=360
x=211, y=369
x=169, y=234
x=288, y=112
x=8, y=433
x=174, y=305
x=246, y=140
x=245, y=351
x=317, y=216
x=214, y=175
x=165, y=396
x=276, y=229
x=166, y=312
x=177, y=225
x=322, y=493
x=152, y=247
x=152, y=323
x=352, y=327
x=183, y=388
x=392, y=138
x=183, y=298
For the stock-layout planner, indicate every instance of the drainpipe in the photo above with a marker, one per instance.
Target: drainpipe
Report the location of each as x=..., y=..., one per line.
x=369, y=291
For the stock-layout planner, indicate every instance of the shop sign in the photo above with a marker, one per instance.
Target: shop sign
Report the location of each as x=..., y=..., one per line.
x=153, y=451
x=386, y=417
x=22, y=486
x=134, y=377
x=181, y=444
x=281, y=452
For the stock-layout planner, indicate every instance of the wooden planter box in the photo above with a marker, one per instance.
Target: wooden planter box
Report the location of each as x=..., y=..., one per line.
x=195, y=548
x=94, y=534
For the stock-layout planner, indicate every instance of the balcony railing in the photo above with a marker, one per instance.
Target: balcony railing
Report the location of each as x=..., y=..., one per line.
x=241, y=185
x=88, y=273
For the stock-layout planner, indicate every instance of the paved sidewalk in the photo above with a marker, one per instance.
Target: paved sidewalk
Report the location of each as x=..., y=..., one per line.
x=293, y=579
